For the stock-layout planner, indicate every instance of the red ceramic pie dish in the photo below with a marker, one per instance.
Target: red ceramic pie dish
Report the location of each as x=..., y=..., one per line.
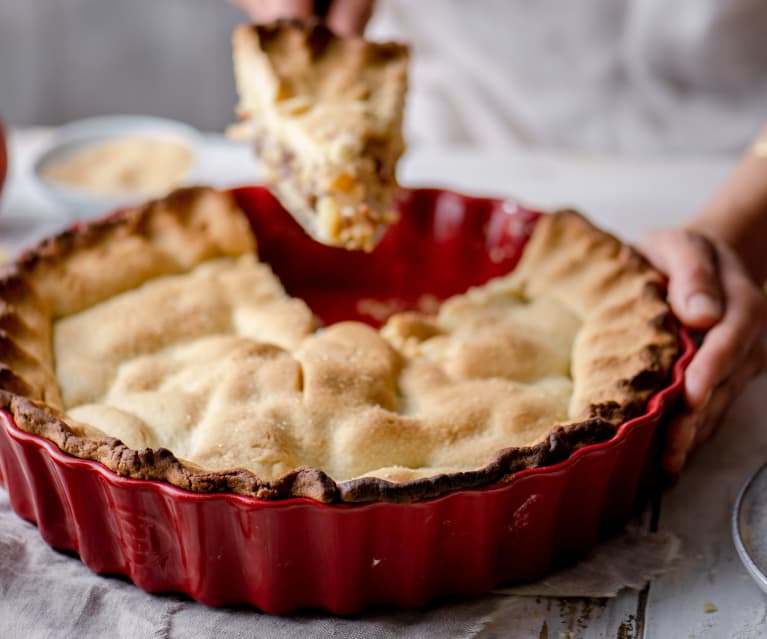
x=224, y=549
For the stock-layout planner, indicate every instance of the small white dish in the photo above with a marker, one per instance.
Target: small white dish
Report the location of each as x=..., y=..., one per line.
x=749, y=526
x=80, y=203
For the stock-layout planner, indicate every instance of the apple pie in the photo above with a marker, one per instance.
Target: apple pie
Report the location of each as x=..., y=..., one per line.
x=155, y=342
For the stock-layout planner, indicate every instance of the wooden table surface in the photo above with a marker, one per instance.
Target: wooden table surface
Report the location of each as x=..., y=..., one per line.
x=709, y=593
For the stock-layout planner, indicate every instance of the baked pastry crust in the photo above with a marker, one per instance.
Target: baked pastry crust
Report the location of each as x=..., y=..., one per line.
x=325, y=113
x=572, y=279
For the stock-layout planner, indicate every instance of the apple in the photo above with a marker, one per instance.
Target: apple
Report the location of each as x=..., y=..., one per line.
x=3, y=158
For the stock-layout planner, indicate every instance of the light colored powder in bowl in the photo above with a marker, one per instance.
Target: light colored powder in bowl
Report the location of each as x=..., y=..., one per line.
x=130, y=164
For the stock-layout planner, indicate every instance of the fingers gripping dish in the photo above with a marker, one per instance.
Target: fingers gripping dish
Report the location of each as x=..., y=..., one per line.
x=325, y=113
x=190, y=364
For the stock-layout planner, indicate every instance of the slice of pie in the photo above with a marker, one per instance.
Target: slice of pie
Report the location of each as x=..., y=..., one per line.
x=191, y=364
x=325, y=113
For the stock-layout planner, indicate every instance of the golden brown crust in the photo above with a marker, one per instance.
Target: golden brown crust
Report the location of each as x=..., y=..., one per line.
x=161, y=465
x=91, y=262
x=623, y=353
x=628, y=341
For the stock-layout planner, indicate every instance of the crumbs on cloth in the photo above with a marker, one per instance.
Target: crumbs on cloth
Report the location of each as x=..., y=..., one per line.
x=629, y=560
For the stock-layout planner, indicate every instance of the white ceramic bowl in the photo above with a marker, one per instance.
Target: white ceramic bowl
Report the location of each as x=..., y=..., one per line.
x=81, y=133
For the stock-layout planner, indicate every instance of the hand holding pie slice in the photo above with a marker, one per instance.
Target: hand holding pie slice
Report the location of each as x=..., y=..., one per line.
x=325, y=114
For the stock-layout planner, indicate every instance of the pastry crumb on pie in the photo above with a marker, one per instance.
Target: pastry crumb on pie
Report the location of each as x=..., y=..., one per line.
x=192, y=365
x=325, y=114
